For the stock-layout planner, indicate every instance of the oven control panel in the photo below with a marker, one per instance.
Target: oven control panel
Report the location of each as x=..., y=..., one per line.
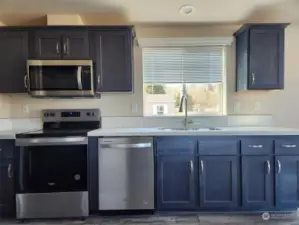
x=60, y=115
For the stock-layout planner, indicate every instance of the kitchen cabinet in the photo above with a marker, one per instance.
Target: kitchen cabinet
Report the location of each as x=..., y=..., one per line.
x=7, y=194
x=219, y=182
x=287, y=181
x=257, y=182
x=56, y=44
x=14, y=49
x=176, y=182
x=260, y=57
x=113, y=57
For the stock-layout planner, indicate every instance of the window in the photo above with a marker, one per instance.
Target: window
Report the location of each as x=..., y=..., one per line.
x=167, y=70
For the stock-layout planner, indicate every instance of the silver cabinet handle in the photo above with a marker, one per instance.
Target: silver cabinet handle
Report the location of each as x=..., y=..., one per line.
x=26, y=81
x=202, y=166
x=125, y=146
x=191, y=166
x=289, y=146
x=279, y=166
x=99, y=79
x=57, y=48
x=252, y=78
x=0, y=149
x=9, y=172
x=268, y=166
x=255, y=146
x=65, y=46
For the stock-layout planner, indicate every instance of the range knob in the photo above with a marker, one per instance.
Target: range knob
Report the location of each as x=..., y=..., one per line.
x=46, y=114
x=88, y=113
x=52, y=114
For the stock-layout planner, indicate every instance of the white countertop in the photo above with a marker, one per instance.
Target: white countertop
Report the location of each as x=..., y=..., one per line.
x=11, y=134
x=225, y=131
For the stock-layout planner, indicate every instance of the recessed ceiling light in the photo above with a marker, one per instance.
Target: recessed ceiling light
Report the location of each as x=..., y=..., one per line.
x=187, y=9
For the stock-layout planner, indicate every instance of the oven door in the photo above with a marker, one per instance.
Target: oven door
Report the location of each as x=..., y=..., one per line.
x=48, y=165
x=59, y=78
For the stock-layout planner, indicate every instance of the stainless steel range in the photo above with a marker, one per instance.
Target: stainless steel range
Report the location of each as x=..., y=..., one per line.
x=51, y=165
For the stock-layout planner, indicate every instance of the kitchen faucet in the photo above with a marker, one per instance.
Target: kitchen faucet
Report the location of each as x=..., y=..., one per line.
x=184, y=99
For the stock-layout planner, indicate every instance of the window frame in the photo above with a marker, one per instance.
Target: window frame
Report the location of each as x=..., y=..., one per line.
x=223, y=88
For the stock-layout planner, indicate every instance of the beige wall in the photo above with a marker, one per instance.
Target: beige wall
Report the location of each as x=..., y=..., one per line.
x=281, y=104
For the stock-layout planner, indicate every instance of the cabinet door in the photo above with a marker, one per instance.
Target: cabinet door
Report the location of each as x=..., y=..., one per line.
x=257, y=182
x=113, y=61
x=48, y=45
x=7, y=197
x=75, y=45
x=287, y=181
x=176, y=186
x=14, y=49
x=218, y=180
x=266, y=59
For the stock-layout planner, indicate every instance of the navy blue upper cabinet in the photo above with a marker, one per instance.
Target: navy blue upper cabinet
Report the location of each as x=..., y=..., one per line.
x=14, y=49
x=112, y=54
x=176, y=182
x=219, y=183
x=257, y=182
x=260, y=57
x=287, y=181
x=75, y=45
x=55, y=44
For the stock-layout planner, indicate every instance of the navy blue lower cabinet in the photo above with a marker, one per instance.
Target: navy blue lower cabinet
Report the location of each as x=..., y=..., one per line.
x=176, y=182
x=257, y=182
x=219, y=182
x=287, y=181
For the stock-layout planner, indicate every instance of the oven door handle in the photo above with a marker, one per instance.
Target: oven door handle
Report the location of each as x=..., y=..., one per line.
x=52, y=141
x=79, y=77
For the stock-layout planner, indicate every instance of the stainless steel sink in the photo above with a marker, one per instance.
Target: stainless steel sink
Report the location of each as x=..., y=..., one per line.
x=191, y=129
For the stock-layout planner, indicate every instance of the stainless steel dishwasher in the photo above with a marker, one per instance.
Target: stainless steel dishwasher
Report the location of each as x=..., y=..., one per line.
x=126, y=173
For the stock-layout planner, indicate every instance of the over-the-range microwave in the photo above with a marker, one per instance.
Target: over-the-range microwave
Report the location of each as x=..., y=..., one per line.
x=59, y=78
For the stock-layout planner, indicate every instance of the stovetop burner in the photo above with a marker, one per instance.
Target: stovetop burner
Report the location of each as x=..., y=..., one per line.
x=66, y=123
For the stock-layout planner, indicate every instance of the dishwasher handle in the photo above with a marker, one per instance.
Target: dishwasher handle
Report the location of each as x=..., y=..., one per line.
x=126, y=146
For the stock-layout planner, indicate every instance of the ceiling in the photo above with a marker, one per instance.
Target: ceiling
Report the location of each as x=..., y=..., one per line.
x=164, y=11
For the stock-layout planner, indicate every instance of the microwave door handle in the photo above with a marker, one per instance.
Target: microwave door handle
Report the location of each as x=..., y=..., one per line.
x=79, y=80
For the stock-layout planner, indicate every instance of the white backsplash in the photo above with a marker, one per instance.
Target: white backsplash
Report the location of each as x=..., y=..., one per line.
x=135, y=122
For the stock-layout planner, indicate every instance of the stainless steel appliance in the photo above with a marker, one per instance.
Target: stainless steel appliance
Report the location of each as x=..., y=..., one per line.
x=51, y=165
x=59, y=78
x=126, y=173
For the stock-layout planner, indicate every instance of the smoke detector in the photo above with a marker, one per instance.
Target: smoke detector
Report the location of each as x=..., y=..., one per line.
x=187, y=10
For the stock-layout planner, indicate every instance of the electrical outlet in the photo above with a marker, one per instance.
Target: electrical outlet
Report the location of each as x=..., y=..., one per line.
x=26, y=109
x=237, y=106
x=257, y=107
x=134, y=108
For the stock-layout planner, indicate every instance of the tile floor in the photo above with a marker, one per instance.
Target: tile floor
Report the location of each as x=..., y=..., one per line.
x=199, y=219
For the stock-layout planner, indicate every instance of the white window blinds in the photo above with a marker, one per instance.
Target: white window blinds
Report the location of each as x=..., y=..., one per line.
x=177, y=65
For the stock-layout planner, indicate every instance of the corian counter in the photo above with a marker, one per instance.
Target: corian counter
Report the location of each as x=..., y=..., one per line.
x=11, y=134
x=169, y=132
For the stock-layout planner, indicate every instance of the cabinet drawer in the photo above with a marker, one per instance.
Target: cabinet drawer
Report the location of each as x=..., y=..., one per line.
x=229, y=147
x=256, y=147
x=287, y=147
x=6, y=148
x=176, y=145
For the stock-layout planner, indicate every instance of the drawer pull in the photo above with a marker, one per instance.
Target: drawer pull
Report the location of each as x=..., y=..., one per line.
x=289, y=146
x=255, y=146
